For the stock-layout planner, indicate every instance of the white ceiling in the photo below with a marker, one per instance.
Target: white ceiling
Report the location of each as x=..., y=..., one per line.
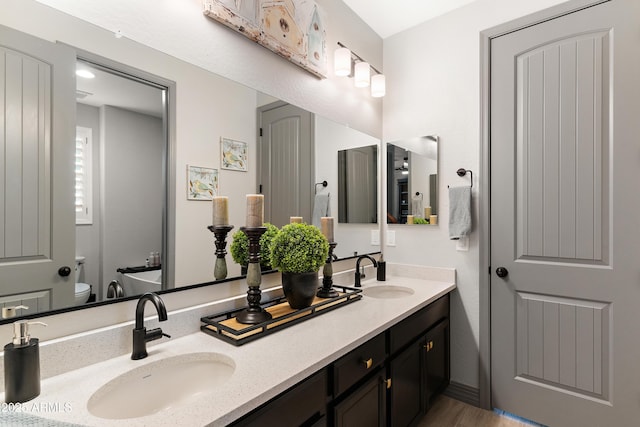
x=111, y=89
x=388, y=17
x=384, y=19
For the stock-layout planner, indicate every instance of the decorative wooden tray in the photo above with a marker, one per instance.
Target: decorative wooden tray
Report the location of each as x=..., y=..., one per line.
x=225, y=326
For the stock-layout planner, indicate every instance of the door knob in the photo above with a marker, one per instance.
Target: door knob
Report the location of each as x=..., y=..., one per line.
x=502, y=272
x=64, y=271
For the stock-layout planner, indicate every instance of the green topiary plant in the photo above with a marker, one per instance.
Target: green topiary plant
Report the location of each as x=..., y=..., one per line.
x=240, y=246
x=299, y=248
x=419, y=220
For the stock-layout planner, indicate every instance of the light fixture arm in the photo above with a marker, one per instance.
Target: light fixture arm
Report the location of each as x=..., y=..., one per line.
x=355, y=57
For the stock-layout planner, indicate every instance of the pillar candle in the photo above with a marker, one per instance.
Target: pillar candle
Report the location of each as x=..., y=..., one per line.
x=295, y=219
x=255, y=210
x=427, y=212
x=326, y=226
x=409, y=219
x=433, y=219
x=220, y=210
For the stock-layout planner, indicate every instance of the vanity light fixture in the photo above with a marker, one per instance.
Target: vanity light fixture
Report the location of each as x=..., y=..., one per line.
x=349, y=63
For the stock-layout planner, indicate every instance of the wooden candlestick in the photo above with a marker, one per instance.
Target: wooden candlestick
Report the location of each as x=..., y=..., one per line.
x=220, y=231
x=327, y=291
x=254, y=313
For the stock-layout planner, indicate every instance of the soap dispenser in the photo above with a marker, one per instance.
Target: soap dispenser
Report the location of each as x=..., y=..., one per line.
x=22, y=364
x=381, y=271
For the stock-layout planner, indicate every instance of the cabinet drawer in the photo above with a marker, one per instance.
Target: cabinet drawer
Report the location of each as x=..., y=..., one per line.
x=355, y=365
x=416, y=324
x=305, y=403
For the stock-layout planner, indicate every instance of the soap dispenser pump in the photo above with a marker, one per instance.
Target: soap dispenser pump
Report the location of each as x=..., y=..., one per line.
x=22, y=364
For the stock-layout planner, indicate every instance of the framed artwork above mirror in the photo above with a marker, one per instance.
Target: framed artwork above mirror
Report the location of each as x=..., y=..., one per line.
x=412, y=180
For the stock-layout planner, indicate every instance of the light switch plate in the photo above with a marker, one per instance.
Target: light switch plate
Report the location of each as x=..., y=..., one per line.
x=391, y=238
x=375, y=237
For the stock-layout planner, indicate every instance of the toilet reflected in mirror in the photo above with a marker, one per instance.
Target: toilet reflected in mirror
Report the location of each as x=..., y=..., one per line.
x=82, y=290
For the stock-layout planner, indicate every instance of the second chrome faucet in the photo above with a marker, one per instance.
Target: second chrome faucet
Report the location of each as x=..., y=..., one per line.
x=140, y=334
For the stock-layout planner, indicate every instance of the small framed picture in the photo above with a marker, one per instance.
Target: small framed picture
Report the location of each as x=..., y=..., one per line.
x=234, y=155
x=202, y=183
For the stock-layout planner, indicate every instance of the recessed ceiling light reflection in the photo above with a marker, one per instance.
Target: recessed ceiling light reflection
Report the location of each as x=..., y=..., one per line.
x=86, y=74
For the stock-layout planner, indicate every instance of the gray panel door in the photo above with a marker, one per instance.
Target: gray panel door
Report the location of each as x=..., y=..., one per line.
x=564, y=172
x=286, y=164
x=37, y=132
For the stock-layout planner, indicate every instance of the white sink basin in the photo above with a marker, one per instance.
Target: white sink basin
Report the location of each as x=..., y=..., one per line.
x=387, y=291
x=159, y=385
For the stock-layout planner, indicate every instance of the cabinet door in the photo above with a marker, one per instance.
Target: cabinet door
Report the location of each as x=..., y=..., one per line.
x=436, y=356
x=406, y=395
x=365, y=407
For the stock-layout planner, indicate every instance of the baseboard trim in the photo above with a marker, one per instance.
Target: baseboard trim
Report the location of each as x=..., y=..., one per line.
x=463, y=393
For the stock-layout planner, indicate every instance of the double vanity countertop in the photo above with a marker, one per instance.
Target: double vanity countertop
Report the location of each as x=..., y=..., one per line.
x=263, y=368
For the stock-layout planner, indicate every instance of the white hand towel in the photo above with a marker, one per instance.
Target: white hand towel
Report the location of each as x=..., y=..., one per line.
x=459, y=212
x=321, y=207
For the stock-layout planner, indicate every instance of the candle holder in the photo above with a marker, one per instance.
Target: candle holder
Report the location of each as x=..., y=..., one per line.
x=327, y=290
x=254, y=313
x=220, y=231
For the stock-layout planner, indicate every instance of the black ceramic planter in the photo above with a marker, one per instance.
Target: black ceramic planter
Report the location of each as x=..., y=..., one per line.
x=300, y=288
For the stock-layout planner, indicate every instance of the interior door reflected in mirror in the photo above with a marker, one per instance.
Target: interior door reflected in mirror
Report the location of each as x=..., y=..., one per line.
x=412, y=181
x=357, y=185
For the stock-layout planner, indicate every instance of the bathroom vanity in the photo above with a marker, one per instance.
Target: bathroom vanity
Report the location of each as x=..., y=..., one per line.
x=389, y=350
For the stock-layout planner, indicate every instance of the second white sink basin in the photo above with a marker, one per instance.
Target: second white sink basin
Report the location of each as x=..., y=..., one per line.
x=160, y=385
x=388, y=291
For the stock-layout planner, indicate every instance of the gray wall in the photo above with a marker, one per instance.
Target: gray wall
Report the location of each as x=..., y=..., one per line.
x=88, y=235
x=132, y=187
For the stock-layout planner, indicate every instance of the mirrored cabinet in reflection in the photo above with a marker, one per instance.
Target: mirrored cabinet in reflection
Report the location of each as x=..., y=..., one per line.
x=412, y=180
x=358, y=185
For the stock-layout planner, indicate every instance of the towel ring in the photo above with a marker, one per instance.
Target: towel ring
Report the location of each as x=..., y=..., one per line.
x=323, y=183
x=462, y=172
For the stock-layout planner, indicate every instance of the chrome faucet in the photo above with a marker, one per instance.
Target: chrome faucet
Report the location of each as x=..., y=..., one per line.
x=114, y=290
x=358, y=274
x=140, y=334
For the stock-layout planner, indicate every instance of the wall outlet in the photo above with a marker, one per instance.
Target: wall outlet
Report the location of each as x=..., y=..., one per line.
x=462, y=244
x=375, y=237
x=391, y=238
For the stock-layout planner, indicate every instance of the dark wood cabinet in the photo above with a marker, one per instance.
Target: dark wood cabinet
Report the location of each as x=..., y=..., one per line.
x=406, y=394
x=358, y=363
x=364, y=407
x=390, y=379
x=418, y=362
x=303, y=404
x=436, y=365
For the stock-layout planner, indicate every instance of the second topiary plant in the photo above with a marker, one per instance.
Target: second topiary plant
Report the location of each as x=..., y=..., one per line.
x=298, y=251
x=240, y=247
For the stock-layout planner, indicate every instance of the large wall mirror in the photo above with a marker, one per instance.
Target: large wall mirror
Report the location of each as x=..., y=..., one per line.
x=131, y=161
x=412, y=179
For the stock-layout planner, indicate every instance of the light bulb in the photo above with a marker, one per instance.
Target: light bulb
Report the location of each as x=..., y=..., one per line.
x=342, y=62
x=362, y=74
x=378, y=86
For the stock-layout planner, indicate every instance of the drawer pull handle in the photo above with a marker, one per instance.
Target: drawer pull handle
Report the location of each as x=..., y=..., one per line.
x=428, y=346
x=388, y=383
x=368, y=363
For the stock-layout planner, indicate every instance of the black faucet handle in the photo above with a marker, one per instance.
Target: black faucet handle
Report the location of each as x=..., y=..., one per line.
x=153, y=334
x=166, y=335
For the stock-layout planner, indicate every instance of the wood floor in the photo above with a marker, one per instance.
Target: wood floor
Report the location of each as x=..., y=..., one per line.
x=447, y=412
